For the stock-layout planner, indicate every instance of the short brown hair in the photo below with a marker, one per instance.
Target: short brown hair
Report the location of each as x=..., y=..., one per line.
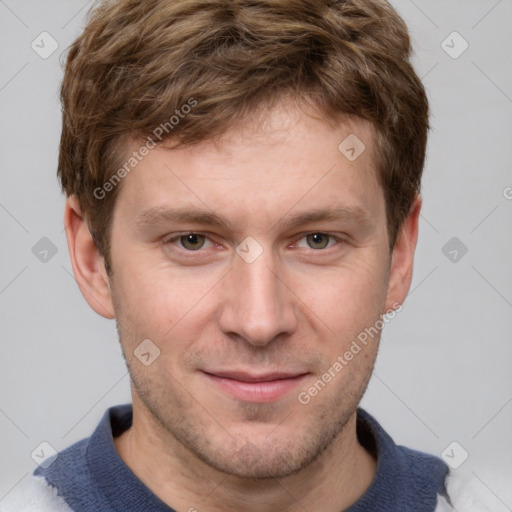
x=138, y=62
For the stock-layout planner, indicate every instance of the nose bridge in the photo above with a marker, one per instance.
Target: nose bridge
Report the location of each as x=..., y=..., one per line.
x=258, y=306
x=260, y=282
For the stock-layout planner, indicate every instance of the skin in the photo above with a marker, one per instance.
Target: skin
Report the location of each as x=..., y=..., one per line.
x=295, y=309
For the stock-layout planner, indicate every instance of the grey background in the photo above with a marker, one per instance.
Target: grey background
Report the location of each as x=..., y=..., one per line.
x=444, y=369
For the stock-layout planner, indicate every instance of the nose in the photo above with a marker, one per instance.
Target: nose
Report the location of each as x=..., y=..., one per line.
x=258, y=306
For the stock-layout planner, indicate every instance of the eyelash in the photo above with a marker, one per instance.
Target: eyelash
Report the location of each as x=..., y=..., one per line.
x=175, y=238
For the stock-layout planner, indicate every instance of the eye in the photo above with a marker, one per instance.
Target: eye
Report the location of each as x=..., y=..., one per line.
x=318, y=241
x=191, y=241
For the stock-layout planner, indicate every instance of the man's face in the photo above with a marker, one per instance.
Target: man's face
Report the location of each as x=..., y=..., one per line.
x=243, y=334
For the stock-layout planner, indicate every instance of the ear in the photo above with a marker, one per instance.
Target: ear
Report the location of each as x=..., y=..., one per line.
x=86, y=260
x=402, y=258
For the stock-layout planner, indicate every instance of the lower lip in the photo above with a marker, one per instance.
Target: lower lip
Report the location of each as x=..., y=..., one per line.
x=258, y=392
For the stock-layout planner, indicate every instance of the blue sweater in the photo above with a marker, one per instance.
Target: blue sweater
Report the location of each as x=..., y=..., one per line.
x=91, y=476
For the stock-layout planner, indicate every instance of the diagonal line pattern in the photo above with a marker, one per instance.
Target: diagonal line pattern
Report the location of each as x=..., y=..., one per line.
x=486, y=14
x=485, y=218
x=492, y=491
x=492, y=286
x=186, y=313
x=429, y=71
x=279, y=424
x=12, y=488
x=423, y=280
x=291, y=496
x=13, y=218
x=214, y=489
x=76, y=14
x=492, y=81
x=405, y=405
x=300, y=199
x=13, y=279
x=90, y=296
x=198, y=402
x=14, y=76
x=13, y=13
x=188, y=187
x=1, y=411
x=429, y=223
x=503, y=407
x=95, y=404
x=333, y=332
x=424, y=13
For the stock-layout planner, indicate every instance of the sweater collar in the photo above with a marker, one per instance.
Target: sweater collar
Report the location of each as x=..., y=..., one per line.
x=405, y=479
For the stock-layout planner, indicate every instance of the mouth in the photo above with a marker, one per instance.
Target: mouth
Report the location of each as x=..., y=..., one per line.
x=256, y=388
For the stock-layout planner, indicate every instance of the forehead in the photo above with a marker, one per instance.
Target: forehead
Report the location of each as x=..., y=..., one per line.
x=261, y=169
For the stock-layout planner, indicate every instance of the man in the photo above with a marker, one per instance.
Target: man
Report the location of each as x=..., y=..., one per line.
x=243, y=198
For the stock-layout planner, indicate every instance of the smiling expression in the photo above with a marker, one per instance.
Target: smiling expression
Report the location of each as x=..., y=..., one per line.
x=252, y=264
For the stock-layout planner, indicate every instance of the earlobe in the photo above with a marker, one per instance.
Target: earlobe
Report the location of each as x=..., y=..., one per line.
x=402, y=259
x=86, y=260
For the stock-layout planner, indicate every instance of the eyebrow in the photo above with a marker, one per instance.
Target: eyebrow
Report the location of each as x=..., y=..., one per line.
x=162, y=215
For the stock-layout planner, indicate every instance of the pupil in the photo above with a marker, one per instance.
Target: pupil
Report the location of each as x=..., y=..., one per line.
x=192, y=241
x=319, y=239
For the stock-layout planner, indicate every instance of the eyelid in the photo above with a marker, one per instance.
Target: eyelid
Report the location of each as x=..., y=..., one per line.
x=175, y=237
x=336, y=238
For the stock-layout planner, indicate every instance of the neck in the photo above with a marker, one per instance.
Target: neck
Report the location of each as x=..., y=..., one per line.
x=333, y=482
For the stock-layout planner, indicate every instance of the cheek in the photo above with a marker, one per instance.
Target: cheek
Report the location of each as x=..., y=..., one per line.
x=158, y=302
x=348, y=298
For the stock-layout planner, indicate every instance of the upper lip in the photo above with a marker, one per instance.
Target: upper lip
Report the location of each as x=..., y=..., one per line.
x=251, y=377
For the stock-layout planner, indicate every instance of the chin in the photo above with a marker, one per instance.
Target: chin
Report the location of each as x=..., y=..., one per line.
x=263, y=454
x=252, y=462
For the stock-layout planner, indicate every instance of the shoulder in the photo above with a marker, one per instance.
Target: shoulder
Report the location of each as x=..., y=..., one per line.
x=84, y=473
x=410, y=471
x=37, y=492
x=70, y=462
x=33, y=494
x=467, y=494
